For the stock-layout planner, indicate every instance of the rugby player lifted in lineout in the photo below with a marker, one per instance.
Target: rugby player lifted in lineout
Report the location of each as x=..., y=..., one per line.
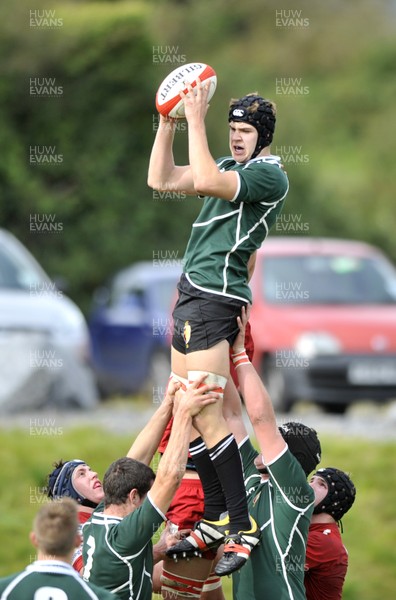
x=243, y=194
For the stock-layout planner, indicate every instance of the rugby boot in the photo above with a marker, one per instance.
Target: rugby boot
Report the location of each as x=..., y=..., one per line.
x=237, y=549
x=206, y=535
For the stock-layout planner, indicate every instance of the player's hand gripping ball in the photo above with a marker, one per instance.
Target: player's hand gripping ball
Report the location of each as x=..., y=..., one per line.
x=168, y=100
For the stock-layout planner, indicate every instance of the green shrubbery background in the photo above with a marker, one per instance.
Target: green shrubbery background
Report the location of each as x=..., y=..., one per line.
x=109, y=57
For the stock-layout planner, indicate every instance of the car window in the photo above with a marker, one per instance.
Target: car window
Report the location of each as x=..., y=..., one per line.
x=329, y=279
x=158, y=295
x=165, y=294
x=16, y=272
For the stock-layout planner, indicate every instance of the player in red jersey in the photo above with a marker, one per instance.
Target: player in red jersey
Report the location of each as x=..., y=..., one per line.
x=327, y=558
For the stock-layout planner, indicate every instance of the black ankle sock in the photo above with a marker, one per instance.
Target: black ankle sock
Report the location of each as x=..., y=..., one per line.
x=227, y=462
x=214, y=499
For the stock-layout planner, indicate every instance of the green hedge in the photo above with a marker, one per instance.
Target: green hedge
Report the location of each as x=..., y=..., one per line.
x=335, y=131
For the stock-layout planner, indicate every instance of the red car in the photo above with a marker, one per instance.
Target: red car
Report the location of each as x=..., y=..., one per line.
x=324, y=321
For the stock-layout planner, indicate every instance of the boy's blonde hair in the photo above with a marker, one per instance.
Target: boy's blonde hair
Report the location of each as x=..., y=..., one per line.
x=56, y=526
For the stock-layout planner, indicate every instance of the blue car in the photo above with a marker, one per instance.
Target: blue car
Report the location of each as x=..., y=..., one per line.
x=130, y=328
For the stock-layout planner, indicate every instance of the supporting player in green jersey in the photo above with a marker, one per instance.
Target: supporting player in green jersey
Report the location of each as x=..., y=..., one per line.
x=279, y=497
x=51, y=576
x=117, y=550
x=243, y=194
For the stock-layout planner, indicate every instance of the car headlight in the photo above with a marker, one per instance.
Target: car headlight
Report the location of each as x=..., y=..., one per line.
x=315, y=343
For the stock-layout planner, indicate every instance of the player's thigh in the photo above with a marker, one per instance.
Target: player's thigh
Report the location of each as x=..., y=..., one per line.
x=213, y=360
x=178, y=363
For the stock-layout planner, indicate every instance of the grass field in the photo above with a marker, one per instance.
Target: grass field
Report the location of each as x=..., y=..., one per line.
x=369, y=534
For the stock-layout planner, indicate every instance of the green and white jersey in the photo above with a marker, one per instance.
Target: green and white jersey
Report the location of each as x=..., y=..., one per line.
x=50, y=580
x=282, y=507
x=118, y=553
x=226, y=234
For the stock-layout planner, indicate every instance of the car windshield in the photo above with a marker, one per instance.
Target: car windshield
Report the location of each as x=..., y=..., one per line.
x=164, y=292
x=328, y=279
x=16, y=271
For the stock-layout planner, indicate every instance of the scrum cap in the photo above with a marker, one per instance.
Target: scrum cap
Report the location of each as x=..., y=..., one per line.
x=303, y=443
x=259, y=113
x=60, y=483
x=341, y=493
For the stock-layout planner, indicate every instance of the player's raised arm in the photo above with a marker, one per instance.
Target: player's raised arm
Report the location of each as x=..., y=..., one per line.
x=163, y=174
x=257, y=400
x=208, y=180
x=146, y=443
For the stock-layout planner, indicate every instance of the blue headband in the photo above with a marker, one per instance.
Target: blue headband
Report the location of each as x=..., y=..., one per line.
x=60, y=483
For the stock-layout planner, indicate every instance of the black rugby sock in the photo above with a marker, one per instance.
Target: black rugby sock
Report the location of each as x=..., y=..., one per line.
x=227, y=462
x=214, y=499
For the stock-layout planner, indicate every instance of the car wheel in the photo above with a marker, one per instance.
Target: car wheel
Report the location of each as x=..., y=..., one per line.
x=275, y=382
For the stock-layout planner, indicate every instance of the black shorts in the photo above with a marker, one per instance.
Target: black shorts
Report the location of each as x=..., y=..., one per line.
x=202, y=320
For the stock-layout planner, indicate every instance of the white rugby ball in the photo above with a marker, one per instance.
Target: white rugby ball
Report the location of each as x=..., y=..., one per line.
x=168, y=100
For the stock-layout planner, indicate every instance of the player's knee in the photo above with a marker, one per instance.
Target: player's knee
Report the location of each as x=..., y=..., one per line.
x=182, y=380
x=219, y=380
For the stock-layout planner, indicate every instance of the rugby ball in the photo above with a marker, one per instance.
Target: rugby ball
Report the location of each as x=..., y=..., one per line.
x=168, y=100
